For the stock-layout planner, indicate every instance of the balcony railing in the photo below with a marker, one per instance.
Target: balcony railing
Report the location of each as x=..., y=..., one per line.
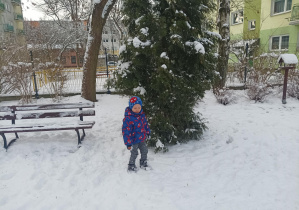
x=294, y=20
x=18, y=16
x=8, y=28
x=16, y=2
x=2, y=6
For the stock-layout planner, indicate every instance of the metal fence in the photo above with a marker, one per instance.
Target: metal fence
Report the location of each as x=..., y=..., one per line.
x=70, y=80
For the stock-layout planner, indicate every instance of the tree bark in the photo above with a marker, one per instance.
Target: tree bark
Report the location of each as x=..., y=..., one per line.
x=99, y=16
x=223, y=49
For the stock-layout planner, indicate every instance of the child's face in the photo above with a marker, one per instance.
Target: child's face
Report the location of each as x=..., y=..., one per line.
x=136, y=108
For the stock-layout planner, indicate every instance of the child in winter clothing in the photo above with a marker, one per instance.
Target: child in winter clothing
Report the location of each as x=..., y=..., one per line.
x=135, y=130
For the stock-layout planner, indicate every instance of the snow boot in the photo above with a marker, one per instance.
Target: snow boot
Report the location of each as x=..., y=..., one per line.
x=132, y=168
x=144, y=165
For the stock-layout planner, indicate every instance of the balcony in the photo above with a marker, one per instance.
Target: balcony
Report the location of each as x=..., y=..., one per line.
x=8, y=28
x=16, y=2
x=2, y=7
x=294, y=20
x=18, y=16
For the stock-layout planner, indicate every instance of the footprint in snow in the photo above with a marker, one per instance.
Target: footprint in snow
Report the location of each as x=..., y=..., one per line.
x=230, y=140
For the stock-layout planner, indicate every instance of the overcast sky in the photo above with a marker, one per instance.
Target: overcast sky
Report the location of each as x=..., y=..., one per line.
x=31, y=13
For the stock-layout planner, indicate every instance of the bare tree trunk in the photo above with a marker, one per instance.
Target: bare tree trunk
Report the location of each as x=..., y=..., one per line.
x=223, y=49
x=116, y=15
x=99, y=16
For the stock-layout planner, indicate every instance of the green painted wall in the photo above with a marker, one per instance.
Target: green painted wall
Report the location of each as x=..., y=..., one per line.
x=236, y=30
x=252, y=11
x=291, y=30
x=236, y=37
x=270, y=21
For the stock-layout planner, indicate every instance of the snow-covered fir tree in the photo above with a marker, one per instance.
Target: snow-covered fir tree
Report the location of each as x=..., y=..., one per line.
x=169, y=62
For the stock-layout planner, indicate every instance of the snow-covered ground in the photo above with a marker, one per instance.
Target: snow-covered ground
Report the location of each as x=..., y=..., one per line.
x=247, y=160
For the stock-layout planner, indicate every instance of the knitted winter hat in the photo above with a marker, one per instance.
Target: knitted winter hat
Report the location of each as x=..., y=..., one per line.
x=134, y=100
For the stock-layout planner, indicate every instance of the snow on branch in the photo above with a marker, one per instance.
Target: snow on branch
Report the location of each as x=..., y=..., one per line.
x=138, y=20
x=144, y=31
x=164, y=55
x=137, y=43
x=197, y=46
x=214, y=34
x=140, y=89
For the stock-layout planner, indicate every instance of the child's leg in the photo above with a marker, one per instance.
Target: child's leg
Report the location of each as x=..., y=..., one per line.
x=134, y=154
x=143, y=151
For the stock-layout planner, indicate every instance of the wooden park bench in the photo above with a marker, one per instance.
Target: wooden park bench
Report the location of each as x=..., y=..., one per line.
x=20, y=113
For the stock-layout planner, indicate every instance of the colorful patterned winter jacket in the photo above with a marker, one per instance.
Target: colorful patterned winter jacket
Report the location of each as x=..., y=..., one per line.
x=135, y=127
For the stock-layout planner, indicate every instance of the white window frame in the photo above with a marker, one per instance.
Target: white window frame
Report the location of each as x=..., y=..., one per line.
x=284, y=9
x=249, y=25
x=279, y=45
x=241, y=17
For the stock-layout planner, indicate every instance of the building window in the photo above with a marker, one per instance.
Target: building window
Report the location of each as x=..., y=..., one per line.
x=251, y=24
x=105, y=40
x=237, y=17
x=73, y=59
x=113, y=40
x=280, y=42
x=280, y=6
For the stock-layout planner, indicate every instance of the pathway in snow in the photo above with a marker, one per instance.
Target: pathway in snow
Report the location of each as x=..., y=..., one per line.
x=248, y=159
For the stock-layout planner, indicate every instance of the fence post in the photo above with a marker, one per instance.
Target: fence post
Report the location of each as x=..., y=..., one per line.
x=108, y=91
x=246, y=55
x=34, y=76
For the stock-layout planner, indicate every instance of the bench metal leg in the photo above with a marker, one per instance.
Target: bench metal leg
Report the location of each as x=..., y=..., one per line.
x=80, y=138
x=4, y=139
x=6, y=145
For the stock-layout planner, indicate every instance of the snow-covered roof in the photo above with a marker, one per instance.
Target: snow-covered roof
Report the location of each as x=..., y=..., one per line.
x=288, y=58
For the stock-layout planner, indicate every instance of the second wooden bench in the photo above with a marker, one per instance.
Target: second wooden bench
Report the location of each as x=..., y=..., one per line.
x=19, y=113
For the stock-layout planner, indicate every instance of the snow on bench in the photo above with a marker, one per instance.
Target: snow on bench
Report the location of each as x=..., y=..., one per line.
x=40, y=112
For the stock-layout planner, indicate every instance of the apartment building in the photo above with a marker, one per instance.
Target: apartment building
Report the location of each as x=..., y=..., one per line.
x=11, y=23
x=110, y=39
x=49, y=40
x=272, y=24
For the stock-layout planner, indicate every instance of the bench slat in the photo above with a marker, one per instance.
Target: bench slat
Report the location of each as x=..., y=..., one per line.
x=38, y=115
x=46, y=127
x=46, y=107
x=7, y=116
